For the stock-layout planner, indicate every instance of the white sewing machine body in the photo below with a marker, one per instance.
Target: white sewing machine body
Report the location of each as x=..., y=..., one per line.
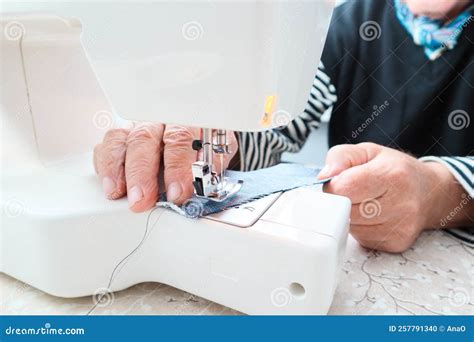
x=278, y=255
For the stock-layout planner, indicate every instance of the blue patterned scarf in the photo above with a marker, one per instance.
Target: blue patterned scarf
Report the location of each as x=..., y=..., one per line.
x=435, y=36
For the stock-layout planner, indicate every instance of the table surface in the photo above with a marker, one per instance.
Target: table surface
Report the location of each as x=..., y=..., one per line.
x=435, y=276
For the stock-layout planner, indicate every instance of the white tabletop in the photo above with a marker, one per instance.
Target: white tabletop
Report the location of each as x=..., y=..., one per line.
x=435, y=276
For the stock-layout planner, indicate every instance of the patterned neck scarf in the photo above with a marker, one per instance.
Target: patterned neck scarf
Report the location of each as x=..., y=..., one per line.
x=435, y=36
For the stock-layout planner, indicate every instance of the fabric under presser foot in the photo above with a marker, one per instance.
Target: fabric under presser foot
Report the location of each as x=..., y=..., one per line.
x=256, y=184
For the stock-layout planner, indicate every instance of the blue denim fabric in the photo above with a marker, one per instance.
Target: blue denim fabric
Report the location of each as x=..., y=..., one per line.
x=257, y=184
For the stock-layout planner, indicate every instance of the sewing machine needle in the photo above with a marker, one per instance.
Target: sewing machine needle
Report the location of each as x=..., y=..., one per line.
x=222, y=168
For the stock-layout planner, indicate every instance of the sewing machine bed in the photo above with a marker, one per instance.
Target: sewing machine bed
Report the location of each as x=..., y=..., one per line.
x=278, y=255
x=68, y=77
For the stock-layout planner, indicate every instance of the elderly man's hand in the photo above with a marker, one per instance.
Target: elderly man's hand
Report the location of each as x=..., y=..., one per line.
x=128, y=162
x=394, y=196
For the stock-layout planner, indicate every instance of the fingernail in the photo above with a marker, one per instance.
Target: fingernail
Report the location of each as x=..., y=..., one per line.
x=326, y=171
x=174, y=191
x=109, y=186
x=134, y=195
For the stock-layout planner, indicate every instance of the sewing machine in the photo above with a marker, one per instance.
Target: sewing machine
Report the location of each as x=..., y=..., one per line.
x=70, y=71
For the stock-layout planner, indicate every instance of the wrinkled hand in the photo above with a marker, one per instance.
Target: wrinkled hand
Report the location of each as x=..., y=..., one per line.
x=128, y=163
x=394, y=196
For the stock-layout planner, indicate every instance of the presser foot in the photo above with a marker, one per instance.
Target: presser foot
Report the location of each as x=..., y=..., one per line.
x=226, y=189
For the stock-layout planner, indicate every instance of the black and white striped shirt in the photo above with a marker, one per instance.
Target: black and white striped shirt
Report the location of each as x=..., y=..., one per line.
x=427, y=104
x=264, y=149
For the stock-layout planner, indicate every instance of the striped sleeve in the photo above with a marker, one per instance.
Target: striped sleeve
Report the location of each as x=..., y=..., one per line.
x=263, y=149
x=462, y=169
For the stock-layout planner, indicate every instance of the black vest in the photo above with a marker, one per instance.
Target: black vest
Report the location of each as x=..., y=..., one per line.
x=389, y=92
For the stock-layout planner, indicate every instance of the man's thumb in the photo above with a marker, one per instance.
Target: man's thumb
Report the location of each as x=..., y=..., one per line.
x=343, y=157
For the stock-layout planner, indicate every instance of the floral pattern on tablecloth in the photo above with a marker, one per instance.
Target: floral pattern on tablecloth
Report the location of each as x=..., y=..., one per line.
x=434, y=277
